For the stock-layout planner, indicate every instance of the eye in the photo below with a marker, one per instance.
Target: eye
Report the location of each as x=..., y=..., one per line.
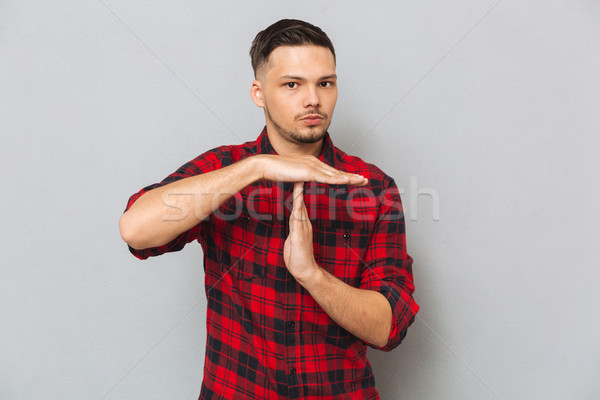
x=291, y=85
x=326, y=84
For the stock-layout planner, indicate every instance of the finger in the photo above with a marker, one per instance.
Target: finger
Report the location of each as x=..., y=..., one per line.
x=359, y=180
x=292, y=223
x=303, y=211
x=328, y=170
x=354, y=179
x=298, y=204
x=343, y=178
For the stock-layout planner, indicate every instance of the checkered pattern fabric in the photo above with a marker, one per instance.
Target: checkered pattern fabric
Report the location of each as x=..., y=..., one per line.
x=267, y=338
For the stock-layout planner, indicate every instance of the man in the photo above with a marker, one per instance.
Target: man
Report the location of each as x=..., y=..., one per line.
x=304, y=247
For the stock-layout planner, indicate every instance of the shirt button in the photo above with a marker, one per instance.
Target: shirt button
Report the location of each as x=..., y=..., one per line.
x=346, y=235
x=291, y=324
x=293, y=371
x=246, y=218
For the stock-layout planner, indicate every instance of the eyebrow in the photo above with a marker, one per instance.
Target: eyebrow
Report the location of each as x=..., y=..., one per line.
x=299, y=78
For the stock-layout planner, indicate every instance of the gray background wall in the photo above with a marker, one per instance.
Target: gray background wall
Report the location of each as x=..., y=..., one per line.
x=483, y=111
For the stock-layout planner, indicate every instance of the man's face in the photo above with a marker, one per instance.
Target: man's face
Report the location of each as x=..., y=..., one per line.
x=298, y=91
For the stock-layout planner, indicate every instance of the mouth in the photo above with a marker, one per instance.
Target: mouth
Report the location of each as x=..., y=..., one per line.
x=312, y=119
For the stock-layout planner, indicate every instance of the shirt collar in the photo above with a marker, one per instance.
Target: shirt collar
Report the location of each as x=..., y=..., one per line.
x=265, y=147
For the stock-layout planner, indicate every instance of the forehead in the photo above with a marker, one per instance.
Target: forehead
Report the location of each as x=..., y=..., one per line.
x=300, y=60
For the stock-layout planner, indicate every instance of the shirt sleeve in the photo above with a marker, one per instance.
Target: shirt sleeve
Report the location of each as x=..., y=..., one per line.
x=206, y=162
x=388, y=268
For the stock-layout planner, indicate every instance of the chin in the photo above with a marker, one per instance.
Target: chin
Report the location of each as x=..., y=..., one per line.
x=310, y=136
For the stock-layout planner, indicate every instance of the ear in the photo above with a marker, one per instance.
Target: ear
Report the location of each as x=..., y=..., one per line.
x=256, y=93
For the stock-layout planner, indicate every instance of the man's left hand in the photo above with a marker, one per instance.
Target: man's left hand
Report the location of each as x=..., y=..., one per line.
x=298, y=248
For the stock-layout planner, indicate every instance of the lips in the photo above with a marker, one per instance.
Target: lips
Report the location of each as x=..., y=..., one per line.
x=312, y=119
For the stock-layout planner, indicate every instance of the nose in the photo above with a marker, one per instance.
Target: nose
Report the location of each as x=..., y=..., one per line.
x=311, y=98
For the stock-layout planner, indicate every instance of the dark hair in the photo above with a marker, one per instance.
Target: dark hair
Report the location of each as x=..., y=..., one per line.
x=286, y=32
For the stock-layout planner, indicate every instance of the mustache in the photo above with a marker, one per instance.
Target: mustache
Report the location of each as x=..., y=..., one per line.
x=312, y=112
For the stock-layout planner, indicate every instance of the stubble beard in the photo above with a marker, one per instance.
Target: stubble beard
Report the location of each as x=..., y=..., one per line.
x=311, y=135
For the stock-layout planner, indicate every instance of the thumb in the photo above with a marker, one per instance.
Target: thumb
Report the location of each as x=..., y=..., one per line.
x=298, y=204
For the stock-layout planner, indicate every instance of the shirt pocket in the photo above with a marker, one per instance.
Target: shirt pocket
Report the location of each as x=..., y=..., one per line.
x=242, y=250
x=341, y=249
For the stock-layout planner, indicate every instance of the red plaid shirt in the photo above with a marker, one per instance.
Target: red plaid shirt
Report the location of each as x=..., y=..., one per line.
x=267, y=338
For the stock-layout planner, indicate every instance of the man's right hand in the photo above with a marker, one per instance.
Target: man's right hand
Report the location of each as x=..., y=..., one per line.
x=162, y=213
x=303, y=168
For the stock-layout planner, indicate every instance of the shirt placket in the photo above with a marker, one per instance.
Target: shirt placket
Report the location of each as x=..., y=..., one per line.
x=291, y=312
